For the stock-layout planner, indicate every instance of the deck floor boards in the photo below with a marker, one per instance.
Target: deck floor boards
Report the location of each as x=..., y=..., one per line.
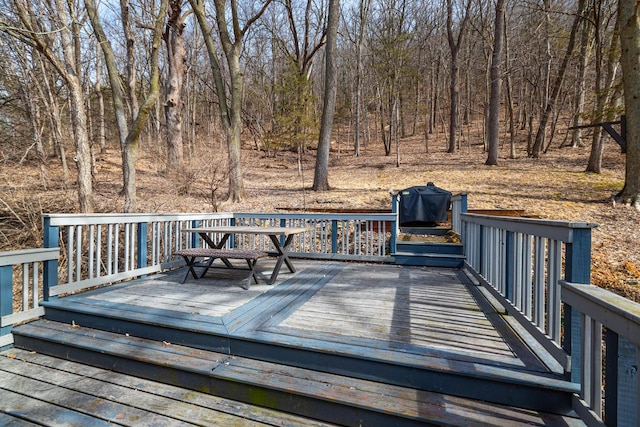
x=51, y=392
x=424, y=318
x=415, y=310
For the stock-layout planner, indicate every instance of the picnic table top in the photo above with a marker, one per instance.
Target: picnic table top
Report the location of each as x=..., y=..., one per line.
x=248, y=229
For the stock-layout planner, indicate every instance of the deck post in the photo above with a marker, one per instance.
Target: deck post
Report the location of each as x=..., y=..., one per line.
x=51, y=237
x=6, y=295
x=577, y=270
x=232, y=238
x=621, y=392
x=141, y=244
x=509, y=266
x=396, y=228
x=334, y=236
x=194, y=236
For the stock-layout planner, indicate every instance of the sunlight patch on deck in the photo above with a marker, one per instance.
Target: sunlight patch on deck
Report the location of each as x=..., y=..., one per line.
x=424, y=307
x=217, y=294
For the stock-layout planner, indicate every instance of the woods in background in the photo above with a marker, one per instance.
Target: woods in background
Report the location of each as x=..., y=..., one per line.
x=79, y=77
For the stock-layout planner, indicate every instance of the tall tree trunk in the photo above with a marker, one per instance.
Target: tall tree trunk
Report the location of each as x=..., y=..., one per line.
x=321, y=176
x=604, y=85
x=544, y=120
x=454, y=71
x=628, y=12
x=173, y=105
x=102, y=135
x=130, y=75
x=496, y=77
x=508, y=90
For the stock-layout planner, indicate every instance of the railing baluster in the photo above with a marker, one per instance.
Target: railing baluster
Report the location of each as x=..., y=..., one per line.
x=25, y=286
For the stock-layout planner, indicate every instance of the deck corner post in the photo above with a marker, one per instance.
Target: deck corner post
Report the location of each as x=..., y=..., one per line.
x=395, y=225
x=51, y=236
x=578, y=257
x=577, y=270
x=141, y=242
x=6, y=295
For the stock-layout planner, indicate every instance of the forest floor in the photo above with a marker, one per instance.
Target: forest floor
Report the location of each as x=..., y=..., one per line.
x=554, y=186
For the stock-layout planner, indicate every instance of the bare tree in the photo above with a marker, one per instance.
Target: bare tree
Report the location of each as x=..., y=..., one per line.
x=606, y=59
x=231, y=105
x=63, y=22
x=551, y=104
x=130, y=137
x=496, y=80
x=173, y=105
x=321, y=180
x=455, y=42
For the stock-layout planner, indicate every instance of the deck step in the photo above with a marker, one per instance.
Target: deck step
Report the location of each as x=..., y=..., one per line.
x=429, y=259
x=328, y=397
x=429, y=247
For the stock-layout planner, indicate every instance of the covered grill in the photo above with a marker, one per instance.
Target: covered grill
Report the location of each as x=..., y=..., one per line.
x=423, y=206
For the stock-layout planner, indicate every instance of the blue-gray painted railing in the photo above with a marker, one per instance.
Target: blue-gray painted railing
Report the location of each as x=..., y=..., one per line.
x=23, y=272
x=540, y=271
x=458, y=207
x=330, y=236
x=100, y=249
x=604, y=313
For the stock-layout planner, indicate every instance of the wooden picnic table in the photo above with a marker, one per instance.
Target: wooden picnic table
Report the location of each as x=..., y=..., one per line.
x=274, y=233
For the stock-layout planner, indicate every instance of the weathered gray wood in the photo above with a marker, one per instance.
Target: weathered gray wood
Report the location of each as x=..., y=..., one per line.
x=154, y=403
x=7, y=420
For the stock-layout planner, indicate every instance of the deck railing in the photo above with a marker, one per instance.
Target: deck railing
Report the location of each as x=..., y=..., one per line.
x=22, y=275
x=539, y=270
x=99, y=249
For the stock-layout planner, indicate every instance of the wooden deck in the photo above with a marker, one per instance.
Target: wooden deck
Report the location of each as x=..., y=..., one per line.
x=425, y=338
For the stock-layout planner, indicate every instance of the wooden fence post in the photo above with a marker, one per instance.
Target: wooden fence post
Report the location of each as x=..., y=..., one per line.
x=51, y=237
x=6, y=295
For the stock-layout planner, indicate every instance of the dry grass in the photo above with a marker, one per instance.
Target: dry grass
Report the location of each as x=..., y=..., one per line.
x=553, y=187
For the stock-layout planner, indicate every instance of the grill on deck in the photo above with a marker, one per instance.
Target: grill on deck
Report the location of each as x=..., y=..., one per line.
x=424, y=206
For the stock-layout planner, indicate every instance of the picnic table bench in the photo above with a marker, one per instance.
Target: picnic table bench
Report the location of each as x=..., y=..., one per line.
x=217, y=237
x=190, y=256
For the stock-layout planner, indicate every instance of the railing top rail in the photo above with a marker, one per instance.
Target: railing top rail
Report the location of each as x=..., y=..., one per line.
x=558, y=230
x=28, y=255
x=109, y=218
x=316, y=215
x=613, y=311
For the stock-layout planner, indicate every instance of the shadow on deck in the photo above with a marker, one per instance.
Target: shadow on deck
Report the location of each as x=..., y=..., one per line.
x=345, y=343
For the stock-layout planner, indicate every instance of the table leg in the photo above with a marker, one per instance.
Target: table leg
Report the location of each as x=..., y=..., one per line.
x=282, y=256
x=218, y=245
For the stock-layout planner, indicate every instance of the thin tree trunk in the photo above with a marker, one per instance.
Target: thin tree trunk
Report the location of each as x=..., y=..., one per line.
x=496, y=77
x=102, y=135
x=454, y=90
x=173, y=105
x=321, y=176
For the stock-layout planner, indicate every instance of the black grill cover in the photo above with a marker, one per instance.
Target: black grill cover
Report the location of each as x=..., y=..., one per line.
x=423, y=206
